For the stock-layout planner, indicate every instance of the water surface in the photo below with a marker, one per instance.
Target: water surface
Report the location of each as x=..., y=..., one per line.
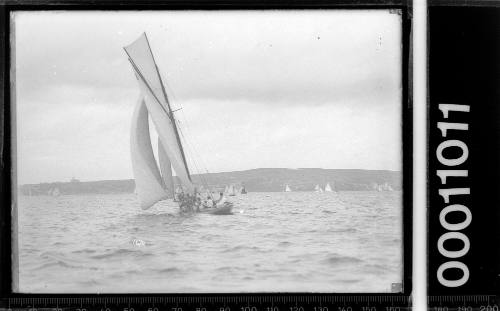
x=274, y=242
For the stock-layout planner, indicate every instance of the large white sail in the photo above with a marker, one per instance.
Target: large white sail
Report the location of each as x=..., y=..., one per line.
x=148, y=183
x=140, y=53
x=157, y=105
x=167, y=136
x=166, y=170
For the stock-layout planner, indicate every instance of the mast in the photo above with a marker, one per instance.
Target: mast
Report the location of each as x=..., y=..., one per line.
x=171, y=114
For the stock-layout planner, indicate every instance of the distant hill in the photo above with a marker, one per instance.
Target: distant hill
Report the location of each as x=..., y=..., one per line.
x=256, y=180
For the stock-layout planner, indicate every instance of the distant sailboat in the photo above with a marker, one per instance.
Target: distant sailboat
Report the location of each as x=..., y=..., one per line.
x=387, y=187
x=318, y=189
x=243, y=190
x=54, y=192
x=231, y=190
x=328, y=188
x=154, y=184
x=287, y=188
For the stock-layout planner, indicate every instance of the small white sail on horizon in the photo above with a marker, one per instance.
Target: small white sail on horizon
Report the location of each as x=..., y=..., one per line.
x=231, y=190
x=328, y=188
x=287, y=188
x=55, y=192
x=317, y=188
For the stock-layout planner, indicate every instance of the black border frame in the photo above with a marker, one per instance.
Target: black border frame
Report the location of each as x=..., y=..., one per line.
x=6, y=198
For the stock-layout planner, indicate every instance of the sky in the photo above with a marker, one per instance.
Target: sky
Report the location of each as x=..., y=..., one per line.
x=288, y=89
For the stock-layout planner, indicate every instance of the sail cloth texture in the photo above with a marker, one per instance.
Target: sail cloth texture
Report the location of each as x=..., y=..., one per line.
x=166, y=170
x=148, y=182
x=141, y=55
x=155, y=99
x=167, y=135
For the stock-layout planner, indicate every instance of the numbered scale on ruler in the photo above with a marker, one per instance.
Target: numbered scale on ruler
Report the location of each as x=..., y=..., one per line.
x=464, y=303
x=212, y=303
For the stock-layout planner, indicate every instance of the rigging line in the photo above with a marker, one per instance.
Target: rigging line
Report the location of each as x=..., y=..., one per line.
x=187, y=130
x=191, y=147
x=203, y=180
x=185, y=136
x=168, y=104
x=194, y=152
x=198, y=154
x=211, y=151
x=195, y=161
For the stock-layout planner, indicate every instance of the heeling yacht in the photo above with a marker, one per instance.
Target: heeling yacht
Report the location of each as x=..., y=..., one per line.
x=155, y=184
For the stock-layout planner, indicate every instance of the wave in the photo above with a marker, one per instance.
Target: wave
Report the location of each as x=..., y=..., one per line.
x=229, y=269
x=58, y=263
x=122, y=252
x=241, y=248
x=84, y=251
x=52, y=259
x=339, y=259
x=164, y=272
x=345, y=230
x=377, y=269
x=350, y=281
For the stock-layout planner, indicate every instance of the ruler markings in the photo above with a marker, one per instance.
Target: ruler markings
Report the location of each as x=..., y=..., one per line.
x=255, y=302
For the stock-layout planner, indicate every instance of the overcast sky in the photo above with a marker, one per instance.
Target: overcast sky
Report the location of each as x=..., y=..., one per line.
x=257, y=89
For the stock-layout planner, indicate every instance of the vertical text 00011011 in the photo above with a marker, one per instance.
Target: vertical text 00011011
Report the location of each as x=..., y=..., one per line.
x=464, y=156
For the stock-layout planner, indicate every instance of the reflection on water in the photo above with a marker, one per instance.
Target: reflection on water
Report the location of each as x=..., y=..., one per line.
x=296, y=241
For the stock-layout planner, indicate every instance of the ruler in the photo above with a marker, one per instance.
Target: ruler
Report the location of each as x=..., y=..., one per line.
x=250, y=302
x=463, y=303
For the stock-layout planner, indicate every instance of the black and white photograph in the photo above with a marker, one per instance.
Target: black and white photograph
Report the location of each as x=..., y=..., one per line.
x=192, y=151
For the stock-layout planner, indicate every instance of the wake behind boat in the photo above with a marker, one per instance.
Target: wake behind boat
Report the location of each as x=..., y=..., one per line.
x=154, y=184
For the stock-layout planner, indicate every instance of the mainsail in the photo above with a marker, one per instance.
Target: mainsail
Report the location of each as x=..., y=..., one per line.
x=158, y=107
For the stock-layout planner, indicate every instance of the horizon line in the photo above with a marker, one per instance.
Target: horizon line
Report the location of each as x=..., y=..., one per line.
x=208, y=173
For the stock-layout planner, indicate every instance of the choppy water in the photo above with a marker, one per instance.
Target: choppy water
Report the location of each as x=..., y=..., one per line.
x=297, y=241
